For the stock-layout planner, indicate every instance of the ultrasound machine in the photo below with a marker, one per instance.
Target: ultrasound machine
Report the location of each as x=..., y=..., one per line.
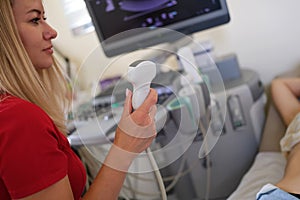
x=197, y=159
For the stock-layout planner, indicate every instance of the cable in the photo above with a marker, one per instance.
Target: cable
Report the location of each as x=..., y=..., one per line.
x=142, y=193
x=178, y=176
x=170, y=178
x=208, y=169
x=124, y=194
x=157, y=174
x=133, y=195
x=208, y=179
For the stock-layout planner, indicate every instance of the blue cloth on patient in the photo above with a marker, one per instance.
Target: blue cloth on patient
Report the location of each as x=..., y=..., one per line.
x=271, y=192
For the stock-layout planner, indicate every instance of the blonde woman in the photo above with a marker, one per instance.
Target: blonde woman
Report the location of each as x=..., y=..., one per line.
x=36, y=161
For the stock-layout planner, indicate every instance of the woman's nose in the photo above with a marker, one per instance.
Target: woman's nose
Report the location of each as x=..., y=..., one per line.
x=49, y=33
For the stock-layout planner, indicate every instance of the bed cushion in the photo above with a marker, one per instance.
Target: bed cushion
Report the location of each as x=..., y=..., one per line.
x=268, y=167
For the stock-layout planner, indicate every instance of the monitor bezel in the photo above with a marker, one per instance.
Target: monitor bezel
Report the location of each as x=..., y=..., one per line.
x=122, y=43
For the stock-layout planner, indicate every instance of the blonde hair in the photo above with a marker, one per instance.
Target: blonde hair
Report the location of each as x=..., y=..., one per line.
x=46, y=88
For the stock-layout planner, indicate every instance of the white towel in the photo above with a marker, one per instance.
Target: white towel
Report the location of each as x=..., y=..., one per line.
x=292, y=135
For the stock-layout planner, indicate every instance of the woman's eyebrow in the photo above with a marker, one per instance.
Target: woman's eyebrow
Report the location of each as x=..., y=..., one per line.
x=35, y=10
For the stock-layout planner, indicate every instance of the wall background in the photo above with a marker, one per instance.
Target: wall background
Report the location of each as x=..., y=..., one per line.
x=265, y=35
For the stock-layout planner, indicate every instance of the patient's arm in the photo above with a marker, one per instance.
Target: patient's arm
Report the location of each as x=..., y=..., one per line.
x=291, y=179
x=285, y=94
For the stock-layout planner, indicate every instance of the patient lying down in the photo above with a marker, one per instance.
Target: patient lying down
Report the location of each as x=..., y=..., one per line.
x=285, y=94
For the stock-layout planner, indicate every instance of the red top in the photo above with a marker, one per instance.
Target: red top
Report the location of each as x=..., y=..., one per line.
x=33, y=153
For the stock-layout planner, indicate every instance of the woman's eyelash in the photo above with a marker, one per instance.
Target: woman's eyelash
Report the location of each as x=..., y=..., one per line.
x=37, y=19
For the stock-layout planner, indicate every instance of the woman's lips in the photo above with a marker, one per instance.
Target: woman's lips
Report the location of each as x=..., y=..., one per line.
x=49, y=50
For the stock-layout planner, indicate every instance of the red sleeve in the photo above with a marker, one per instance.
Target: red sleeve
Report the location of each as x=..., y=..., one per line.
x=30, y=154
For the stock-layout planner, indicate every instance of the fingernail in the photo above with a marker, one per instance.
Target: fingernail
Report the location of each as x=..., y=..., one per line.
x=127, y=92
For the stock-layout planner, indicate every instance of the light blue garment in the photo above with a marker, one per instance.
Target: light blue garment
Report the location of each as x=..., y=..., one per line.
x=271, y=192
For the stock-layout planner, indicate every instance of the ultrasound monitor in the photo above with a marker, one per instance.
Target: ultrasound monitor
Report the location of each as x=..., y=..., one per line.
x=127, y=25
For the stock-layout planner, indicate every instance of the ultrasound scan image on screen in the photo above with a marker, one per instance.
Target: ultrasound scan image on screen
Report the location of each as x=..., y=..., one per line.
x=145, y=18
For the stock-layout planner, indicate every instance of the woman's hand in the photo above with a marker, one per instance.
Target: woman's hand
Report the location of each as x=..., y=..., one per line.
x=136, y=129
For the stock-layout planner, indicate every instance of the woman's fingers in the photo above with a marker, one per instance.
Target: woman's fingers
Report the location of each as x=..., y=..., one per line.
x=143, y=116
x=149, y=102
x=127, y=110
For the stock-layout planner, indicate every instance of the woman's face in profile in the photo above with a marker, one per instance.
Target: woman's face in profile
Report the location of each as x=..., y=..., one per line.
x=35, y=33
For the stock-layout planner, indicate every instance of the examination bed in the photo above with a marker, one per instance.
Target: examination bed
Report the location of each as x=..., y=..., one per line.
x=269, y=163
